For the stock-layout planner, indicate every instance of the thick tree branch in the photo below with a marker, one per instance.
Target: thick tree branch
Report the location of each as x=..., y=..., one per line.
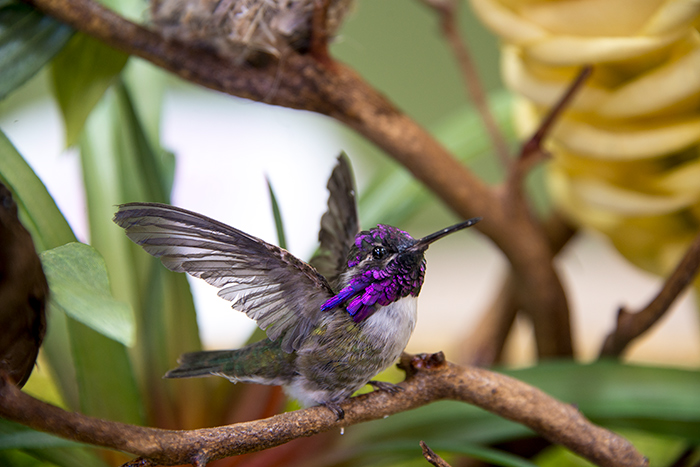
x=429, y=378
x=302, y=82
x=631, y=325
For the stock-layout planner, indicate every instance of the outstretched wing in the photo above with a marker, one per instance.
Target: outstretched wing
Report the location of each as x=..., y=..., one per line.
x=339, y=224
x=282, y=293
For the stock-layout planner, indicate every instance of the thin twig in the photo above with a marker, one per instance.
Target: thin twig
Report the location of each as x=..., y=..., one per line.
x=447, y=10
x=432, y=457
x=429, y=378
x=532, y=150
x=631, y=325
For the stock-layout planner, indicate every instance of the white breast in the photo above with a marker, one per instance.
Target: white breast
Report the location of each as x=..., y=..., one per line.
x=392, y=325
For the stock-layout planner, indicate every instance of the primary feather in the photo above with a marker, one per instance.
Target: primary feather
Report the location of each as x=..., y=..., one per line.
x=248, y=271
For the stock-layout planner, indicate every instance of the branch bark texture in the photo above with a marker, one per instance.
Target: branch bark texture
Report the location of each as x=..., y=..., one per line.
x=430, y=378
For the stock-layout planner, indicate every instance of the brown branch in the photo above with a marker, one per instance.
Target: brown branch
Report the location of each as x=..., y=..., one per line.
x=447, y=10
x=518, y=210
x=429, y=378
x=631, y=325
x=432, y=457
x=301, y=82
x=532, y=150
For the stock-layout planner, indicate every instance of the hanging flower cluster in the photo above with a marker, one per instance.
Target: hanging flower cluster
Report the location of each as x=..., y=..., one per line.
x=626, y=154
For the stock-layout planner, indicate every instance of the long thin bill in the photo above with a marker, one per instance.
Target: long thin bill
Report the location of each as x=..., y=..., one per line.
x=424, y=242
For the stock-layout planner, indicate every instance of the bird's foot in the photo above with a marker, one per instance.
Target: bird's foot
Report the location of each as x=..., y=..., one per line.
x=391, y=388
x=339, y=413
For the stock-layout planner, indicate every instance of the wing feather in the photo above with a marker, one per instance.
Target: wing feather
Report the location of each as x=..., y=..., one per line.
x=339, y=223
x=282, y=293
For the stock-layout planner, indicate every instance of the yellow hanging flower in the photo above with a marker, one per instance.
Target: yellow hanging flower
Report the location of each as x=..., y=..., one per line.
x=627, y=154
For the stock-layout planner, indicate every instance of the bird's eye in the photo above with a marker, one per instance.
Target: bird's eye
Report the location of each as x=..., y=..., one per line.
x=378, y=252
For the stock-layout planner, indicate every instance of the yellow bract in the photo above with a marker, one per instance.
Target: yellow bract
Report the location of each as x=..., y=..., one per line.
x=627, y=152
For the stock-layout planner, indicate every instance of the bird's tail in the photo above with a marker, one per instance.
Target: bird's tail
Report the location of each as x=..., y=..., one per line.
x=202, y=363
x=262, y=362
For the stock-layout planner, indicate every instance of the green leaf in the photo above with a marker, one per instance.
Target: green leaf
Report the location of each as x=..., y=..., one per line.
x=81, y=74
x=38, y=211
x=665, y=401
x=16, y=436
x=80, y=287
x=279, y=225
x=662, y=401
x=105, y=377
x=28, y=40
x=44, y=449
x=474, y=451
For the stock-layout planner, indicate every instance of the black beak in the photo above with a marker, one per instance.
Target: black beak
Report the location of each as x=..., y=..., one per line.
x=423, y=243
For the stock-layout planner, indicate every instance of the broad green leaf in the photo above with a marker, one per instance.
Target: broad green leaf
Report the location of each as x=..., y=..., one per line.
x=80, y=287
x=28, y=41
x=81, y=74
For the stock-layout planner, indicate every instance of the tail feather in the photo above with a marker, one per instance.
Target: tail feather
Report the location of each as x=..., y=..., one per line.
x=262, y=362
x=197, y=364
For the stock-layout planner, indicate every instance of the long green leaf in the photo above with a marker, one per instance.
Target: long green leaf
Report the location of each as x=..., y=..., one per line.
x=38, y=211
x=28, y=41
x=81, y=74
x=80, y=287
x=16, y=436
x=474, y=451
x=277, y=215
x=105, y=376
x=657, y=400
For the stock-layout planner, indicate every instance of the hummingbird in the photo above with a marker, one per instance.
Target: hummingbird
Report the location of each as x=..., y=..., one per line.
x=332, y=324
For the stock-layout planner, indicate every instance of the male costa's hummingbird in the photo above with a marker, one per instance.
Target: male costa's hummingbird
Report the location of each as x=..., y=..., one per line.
x=332, y=324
